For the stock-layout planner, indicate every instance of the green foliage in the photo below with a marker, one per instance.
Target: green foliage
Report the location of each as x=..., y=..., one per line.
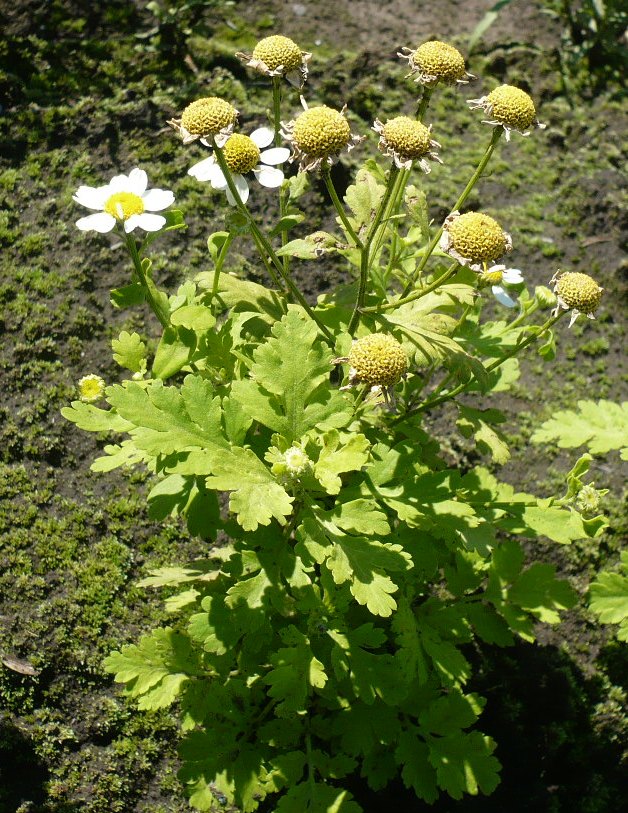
x=602, y=426
x=609, y=598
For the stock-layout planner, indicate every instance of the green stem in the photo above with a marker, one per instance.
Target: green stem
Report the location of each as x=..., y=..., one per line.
x=282, y=192
x=366, y=247
x=310, y=768
x=264, y=247
x=424, y=103
x=417, y=294
x=497, y=131
x=219, y=263
x=339, y=207
x=432, y=402
x=151, y=292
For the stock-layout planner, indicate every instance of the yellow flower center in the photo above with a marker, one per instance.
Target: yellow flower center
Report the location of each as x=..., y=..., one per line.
x=407, y=137
x=491, y=277
x=91, y=388
x=511, y=107
x=477, y=237
x=321, y=131
x=277, y=50
x=208, y=116
x=579, y=291
x=122, y=205
x=440, y=60
x=378, y=360
x=241, y=153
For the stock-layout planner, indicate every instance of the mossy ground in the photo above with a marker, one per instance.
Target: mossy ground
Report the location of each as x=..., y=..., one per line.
x=85, y=98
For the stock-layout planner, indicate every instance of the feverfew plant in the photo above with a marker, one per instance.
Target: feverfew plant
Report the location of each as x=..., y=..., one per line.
x=349, y=567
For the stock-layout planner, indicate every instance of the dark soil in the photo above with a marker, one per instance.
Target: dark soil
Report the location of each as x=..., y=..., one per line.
x=85, y=90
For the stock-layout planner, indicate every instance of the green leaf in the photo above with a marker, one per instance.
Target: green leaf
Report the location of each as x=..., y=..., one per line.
x=128, y=295
x=315, y=797
x=557, y=523
x=289, y=388
x=359, y=517
x=194, y=317
x=602, y=426
x=156, y=669
x=450, y=713
x=363, y=562
x=168, y=419
x=215, y=242
x=478, y=422
x=242, y=294
x=372, y=675
x=363, y=198
x=464, y=763
x=130, y=351
x=174, y=221
x=609, y=597
x=89, y=417
x=286, y=223
x=538, y=591
x=417, y=773
x=174, y=351
x=339, y=455
x=294, y=674
x=301, y=249
x=256, y=496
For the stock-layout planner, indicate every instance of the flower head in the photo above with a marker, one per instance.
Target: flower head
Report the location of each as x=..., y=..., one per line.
x=474, y=239
x=244, y=154
x=508, y=107
x=318, y=135
x=279, y=56
x=126, y=200
x=206, y=118
x=577, y=291
x=407, y=140
x=497, y=276
x=377, y=360
x=91, y=388
x=434, y=62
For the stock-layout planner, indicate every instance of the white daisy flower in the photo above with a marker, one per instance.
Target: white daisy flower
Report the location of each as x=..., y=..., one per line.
x=244, y=154
x=495, y=276
x=125, y=199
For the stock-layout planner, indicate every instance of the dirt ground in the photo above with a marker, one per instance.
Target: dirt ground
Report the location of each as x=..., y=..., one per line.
x=82, y=96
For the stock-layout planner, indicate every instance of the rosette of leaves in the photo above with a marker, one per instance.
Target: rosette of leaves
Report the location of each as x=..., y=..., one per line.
x=326, y=635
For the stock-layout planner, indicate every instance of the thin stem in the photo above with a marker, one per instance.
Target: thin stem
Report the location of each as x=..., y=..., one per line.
x=424, y=103
x=497, y=131
x=264, y=247
x=365, y=249
x=282, y=192
x=310, y=768
x=339, y=207
x=417, y=294
x=432, y=402
x=219, y=263
x=151, y=292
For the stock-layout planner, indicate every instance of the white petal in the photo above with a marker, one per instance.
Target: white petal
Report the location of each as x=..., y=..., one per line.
x=502, y=297
x=263, y=136
x=270, y=177
x=101, y=222
x=138, y=181
x=119, y=183
x=276, y=155
x=243, y=190
x=92, y=197
x=145, y=221
x=157, y=199
x=512, y=276
x=217, y=179
x=204, y=170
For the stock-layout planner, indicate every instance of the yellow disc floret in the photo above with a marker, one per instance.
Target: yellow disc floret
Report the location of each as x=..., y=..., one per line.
x=511, y=107
x=122, y=205
x=208, y=116
x=378, y=360
x=407, y=137
x=278, y=51
x=241, y=153
x=91, y=388
x=321, y=131
x=478, y=237
x=440, y=60
x=579, y=291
